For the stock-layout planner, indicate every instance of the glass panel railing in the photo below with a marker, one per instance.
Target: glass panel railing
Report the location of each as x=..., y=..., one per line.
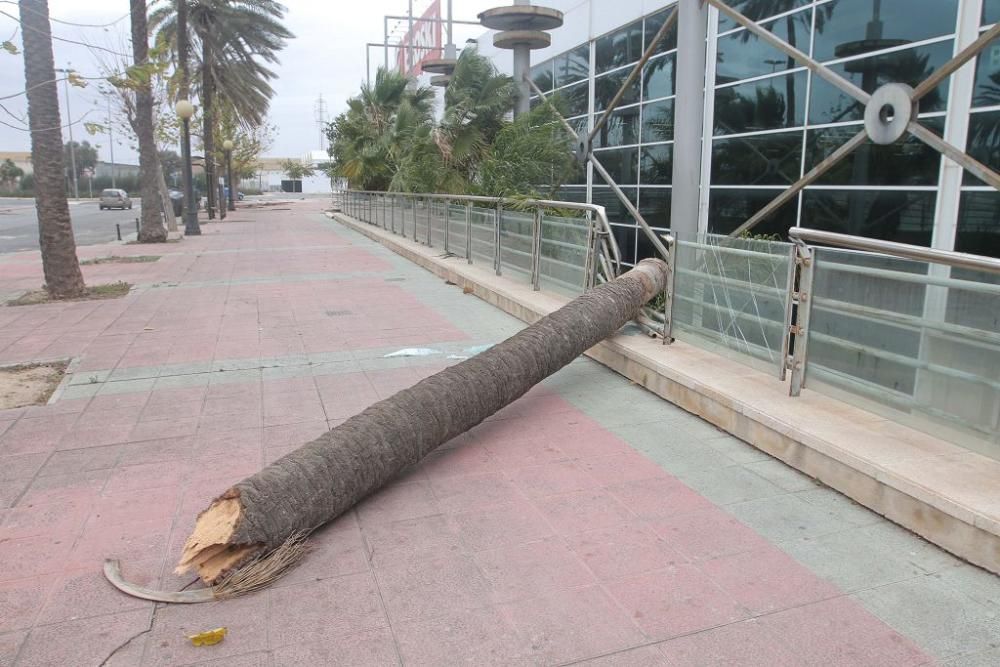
x=562, y=266
x=515, y=243
x=457, y=230
x=730, y=297
x=483, y=221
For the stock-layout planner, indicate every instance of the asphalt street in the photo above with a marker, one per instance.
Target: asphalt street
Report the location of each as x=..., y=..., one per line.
x=19, y=224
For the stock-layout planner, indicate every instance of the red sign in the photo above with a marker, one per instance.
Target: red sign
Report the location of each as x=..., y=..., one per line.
x=425, y=38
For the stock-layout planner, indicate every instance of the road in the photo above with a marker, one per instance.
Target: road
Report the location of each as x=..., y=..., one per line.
x=19, y=225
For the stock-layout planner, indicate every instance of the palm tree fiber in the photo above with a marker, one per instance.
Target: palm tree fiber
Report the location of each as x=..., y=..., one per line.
x=324, y=478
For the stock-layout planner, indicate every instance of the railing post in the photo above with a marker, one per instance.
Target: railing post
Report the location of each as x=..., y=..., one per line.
x=668, y=290
x=415, y=219
x=587, y=256
x=497, y=254
x=536, y=250
x=447, y=223
x=430, y=217
x=786, y=338
x=468, y=231
x=805, y=258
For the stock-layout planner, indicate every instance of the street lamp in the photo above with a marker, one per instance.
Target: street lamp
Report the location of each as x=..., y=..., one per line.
x=185, y=110
x=227, y=146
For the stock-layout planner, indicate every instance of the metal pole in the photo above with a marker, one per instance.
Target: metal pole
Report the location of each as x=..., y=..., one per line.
x=536, y=250
x=414, y=218
x=449, y=49
x=447, y=212
x=668, y=292
x=430, y=217
x=368, y=64
x=806, y=261
x=69, y=124
x=468, y=232
x=385, y=42
x=111, y=143
x=229, y=175
x=689, y=110
x=191, y=227
x=409, y=43
x=222, y=200
x=497, y=254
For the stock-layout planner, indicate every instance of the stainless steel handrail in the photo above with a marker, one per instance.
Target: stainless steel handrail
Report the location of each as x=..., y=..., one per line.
x=904, y=250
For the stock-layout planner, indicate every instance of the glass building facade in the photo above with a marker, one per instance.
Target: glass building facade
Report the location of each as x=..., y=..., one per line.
x=767, y=120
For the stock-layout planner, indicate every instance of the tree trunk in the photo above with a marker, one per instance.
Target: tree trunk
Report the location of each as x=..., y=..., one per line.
x=55, y=230
x=168, y=204
x=208, y=130
x=324, y=478
x=151, y=230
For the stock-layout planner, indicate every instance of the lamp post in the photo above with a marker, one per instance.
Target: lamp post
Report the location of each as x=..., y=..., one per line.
x=69, y=124
x=227, y=146
x=185, y=110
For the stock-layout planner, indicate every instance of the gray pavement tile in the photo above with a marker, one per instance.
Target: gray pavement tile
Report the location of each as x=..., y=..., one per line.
x=840, y=506
x=942, y=620
x=180, y=381
x=90, y=377
x=685, y=458
x=987, y=658
x=977, y=583
x=138, y=373
x=185, y=369
x=126, y=386
x=736, y=450
x=786, y=518
x=80, y=391
x=732, y=484
x=912, y=547
x=783, y=475
x=227, y=377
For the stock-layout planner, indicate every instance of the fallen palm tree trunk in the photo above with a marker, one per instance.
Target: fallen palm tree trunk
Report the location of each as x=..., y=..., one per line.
x=322, y=479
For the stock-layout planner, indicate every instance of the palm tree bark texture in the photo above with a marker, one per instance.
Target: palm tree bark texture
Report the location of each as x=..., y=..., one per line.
x=324, y=478
x=60, y=266
x=151, y=230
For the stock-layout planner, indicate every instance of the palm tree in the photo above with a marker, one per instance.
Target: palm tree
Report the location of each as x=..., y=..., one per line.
x=234, y=42
x=63, y=278
x=151, y=230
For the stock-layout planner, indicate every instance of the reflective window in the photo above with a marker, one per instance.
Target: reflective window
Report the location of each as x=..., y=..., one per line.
x=742, y=55
x=756, y=10
x=605, y=88
x=658, y=77
x=991, y=11
x=728, y=208
x=654, y=205
x=843, y=28
x=984, y=142
x=619, y=48
x=573, y=66
x=891, y=215
x=621, y=129
x=658, y=121
x=911, y=66
x=542, y=76
x=653, y=25
x=906, y=162
x=570, y=193
x=572, y=99
x=987, y=92
x=761, y=105
x=625, y=235
x=979, y=224
x=622, y=164
x=768, y=159
x=657, y=164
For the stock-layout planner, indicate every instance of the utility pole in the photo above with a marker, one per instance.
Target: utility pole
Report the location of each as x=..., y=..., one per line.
x=111, y=135
x=320, y=116
x=69, y=124
x=409, y=38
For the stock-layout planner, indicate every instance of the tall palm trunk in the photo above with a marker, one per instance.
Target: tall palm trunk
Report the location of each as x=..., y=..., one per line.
x=208, y=131
x=324, y=478
x=151, y=230
x=55, y=230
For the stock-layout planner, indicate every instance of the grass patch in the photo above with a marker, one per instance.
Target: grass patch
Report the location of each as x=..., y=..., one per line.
x=29, y=384
x=117, y=259
x=95, y=292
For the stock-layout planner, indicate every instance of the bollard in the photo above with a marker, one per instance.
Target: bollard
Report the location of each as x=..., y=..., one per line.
x=118, y=229
x=137, y=229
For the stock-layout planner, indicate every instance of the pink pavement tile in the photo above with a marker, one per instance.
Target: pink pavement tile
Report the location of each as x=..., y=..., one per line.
x=21, y=466
x=532, y=568
x=552, y=478
x=468, y=492
x=168, y=450
x=500, y=525
x=675, y=601
x=11, y=490
x=131, y=402
x=620, y=468
x=143, y=476
x=334, y=550
x=81, y=460
x=76, y=487
x=569, y=625
x=245, y=618
x=178, y=409
x=10, y=644
x=745, y=644
x=707, y=534
x=242, y=444
x=425, y=589
x=321, y=610
x=293, y=435
x=43, y=519
x=85, y=641
x=373, y=648
x=96, y=436
x=467, y=459
x=165, y=428
x=398, y=542
x=518, y=452
x=226, y=405
x=473, y=637
x=34, y=556
x=841, y=632
x=582, y=510
x=84, y=593
x=135, y=506
x=659, y=497
x=20, y=602
x=621, y=551
x=38, y=434
x=766, y=580
x=223, y=423
x=130, y=542
x=397, y=501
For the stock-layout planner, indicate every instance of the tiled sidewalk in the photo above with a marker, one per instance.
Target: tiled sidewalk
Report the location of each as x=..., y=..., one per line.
x=588, y=522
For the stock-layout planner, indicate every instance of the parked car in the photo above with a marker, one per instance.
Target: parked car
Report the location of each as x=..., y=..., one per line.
x=115, y=198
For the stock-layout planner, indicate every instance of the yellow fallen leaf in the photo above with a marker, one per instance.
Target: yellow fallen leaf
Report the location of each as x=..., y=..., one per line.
x=209, y=637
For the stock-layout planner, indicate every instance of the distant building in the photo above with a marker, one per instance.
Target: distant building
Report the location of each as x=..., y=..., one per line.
x=21, y=159
x=104, y=170
x=271, y=177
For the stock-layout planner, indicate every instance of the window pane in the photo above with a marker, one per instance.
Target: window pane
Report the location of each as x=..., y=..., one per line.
x=891, y=215
x=984, y=142
x=653, y=25
x=571, y=194
x=770, y=159
x=605, y=88
x=991, y=11
x=573, y=66
x=987, y=92
x=658, y=77
x=572, y=99
x=658, y=121
x=621, y=129
x=756, y=10
x=542, y=76
x=761, y=105
x=843, y=28
x=657, y=165
x=625, y=235
x=906, y=162
x=911, y=66
x=729, y=208
x=979, y=224
x=619, y=48
x=742, y=55
x=654, y=204
x=622, y=164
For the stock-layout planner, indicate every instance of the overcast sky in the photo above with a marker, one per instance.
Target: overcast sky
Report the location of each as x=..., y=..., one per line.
x=327, y=57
